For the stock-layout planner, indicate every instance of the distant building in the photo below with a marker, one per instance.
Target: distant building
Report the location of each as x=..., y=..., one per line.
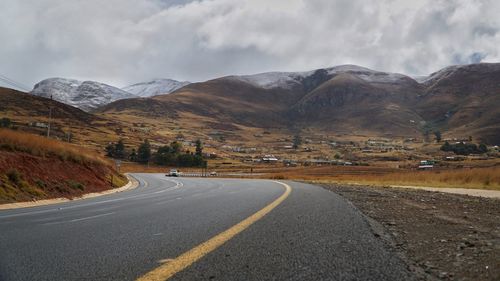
x=39, y=124
x=426, y=165
x=269, y=159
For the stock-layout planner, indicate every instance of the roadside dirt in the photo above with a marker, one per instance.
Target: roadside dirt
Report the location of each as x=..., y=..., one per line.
x=441, y=236
x=131, y=184
x=25, y=177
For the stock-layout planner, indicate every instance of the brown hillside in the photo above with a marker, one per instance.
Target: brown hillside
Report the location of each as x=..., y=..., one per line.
x=14, y=102
x=465, y=101
x=33, y=167
x=226, y=99
x=347, y=103
x=30, y=113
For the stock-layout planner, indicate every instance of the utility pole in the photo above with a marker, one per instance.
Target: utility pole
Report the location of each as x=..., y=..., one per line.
x=118, y=163
x=50, y=117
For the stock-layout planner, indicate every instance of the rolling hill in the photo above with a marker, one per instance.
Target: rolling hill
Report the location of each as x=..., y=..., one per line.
x=458, y=100
x=15, y=103
x=32, y=113
x=464, y=100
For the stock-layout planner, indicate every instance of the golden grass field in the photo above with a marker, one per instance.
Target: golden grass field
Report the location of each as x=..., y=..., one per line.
x=475, y=178
x=42, y=146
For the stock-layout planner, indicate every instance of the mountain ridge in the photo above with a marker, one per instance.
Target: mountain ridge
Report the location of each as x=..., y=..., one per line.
x=345, y=99
x=460, y=100
x=86, y=95
x=89, y=95
x=155, y=87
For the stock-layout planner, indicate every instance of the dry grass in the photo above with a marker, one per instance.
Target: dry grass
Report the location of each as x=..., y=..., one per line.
x=40, y=146
x=484, y=178
x=476, y=178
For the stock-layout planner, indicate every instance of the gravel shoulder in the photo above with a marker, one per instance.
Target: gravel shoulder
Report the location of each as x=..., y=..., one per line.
x=444, y=236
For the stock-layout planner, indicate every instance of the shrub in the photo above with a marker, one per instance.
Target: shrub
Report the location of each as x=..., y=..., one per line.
x=76, y=185
x=5, y=122
x=278, y=177
x=40, y=183
x=14, y=176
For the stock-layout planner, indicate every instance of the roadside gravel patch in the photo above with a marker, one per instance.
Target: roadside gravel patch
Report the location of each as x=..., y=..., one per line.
x=447, y=236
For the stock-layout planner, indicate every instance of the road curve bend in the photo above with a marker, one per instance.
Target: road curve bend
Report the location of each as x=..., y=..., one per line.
x=216, y=229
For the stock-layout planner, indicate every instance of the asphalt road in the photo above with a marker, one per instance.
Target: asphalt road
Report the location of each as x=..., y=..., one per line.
x=312, y=235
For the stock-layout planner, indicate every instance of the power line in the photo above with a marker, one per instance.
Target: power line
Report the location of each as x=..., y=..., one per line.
x=14, y=83
x=16, y=86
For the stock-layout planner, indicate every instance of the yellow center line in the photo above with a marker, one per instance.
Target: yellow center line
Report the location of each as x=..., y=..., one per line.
x=169, y=269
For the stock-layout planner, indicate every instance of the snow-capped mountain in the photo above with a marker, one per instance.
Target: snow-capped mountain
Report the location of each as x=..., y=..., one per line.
x=86, y=95
x=443, y=73
x=368, y=75
x=287, y=80
x=270, y=80
x=155, y=87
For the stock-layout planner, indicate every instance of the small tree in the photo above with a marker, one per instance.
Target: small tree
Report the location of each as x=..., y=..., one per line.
x=133, y=155
x=144, y=152
x=297, y=141
x=164, y=156
x=5, y=122
x=446, y=146
x=199, y=148
x=483, y=148
x=120, y=149
x=438, y=136
x=110, y=150
x=176, y=147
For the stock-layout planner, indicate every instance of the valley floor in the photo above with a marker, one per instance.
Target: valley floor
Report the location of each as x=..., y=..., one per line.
x=445, y=236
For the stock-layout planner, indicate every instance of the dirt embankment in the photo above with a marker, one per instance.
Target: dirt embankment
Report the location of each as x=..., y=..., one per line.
x=445, y=236
x=25, y=177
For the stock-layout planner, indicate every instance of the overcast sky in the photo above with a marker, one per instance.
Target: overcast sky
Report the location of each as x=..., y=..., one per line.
x=121, y=42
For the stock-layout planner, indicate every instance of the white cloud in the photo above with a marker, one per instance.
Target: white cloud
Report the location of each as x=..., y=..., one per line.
x=126, y=41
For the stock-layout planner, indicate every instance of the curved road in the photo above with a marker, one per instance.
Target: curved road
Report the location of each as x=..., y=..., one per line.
x=312, y=235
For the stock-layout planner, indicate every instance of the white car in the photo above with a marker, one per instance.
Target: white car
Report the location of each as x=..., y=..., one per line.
x=213, y=174
x=173, y=173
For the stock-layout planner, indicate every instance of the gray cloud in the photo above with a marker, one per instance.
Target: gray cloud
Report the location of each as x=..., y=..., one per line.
x=125, y=41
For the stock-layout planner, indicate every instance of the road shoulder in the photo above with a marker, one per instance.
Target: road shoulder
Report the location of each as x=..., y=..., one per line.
x=131, y=184
x=446, y=236
x=462, y=191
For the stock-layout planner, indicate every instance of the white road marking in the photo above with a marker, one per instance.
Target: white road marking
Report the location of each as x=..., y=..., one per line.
x=80, y=219
x=177, y=186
